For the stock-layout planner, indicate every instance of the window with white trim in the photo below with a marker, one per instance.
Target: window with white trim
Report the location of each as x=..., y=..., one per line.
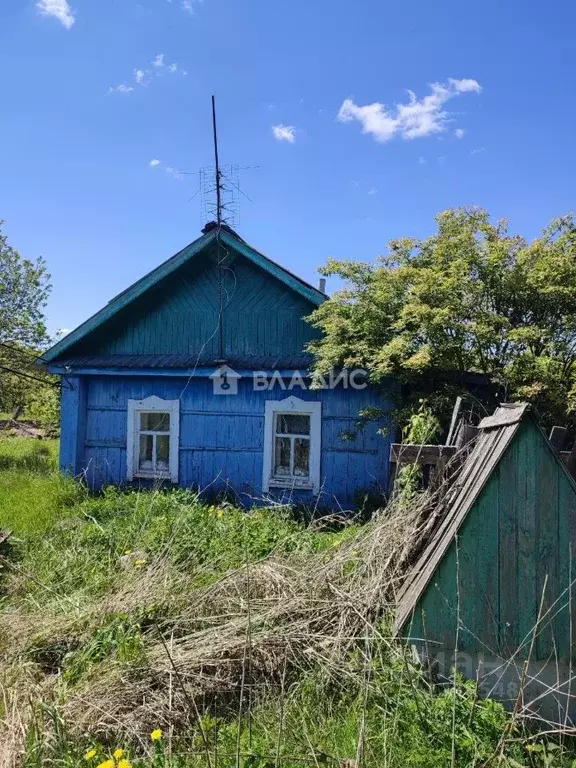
x=152, y=439
x=292, y=429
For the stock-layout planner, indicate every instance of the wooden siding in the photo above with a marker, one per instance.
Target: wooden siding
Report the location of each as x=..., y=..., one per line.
x=516, y=547
x=262, y=316
x=221, y=436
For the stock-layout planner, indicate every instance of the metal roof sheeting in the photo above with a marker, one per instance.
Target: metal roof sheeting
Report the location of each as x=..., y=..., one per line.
x=187, y=362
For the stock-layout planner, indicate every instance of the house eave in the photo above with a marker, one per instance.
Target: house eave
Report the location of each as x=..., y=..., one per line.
x=181, y=373
x=137, y=289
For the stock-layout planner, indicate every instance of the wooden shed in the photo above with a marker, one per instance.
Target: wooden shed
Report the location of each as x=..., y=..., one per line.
x=492, y=593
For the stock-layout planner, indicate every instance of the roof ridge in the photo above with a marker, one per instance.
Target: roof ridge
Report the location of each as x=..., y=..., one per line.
x=168, y=267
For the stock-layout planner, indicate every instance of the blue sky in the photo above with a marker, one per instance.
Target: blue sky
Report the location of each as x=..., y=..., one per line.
x=92, y=92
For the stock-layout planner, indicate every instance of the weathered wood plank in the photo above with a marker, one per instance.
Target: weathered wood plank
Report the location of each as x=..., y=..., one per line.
x=477, y=556
x=421, y=454
x=565, y=622
x=526, y=489
x=547, y=555
x=508, y=479
x=503, y=416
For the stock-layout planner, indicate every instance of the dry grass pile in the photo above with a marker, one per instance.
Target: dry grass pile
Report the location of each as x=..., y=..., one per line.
x=234, y=638
x=193, y=649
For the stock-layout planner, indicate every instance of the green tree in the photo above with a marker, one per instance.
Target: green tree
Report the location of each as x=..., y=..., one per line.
x=470, y=298
x=24, y=290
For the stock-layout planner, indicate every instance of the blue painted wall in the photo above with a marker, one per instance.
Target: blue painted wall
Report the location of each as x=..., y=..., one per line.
x=180, y=315
x=221, y=436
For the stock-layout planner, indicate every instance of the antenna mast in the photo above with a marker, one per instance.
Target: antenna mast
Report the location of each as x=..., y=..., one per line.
x=218, y=247
x=217, y=167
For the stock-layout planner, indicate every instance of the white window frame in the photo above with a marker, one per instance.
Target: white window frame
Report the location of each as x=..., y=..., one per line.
x=150, y=405
x=293, y=406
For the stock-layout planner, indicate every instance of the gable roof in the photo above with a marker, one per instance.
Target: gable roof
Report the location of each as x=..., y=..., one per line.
x=226, y=237
x=496, y=433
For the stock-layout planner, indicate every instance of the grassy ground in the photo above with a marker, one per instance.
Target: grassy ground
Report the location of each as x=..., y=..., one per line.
x=133, y=613
x=33, y=495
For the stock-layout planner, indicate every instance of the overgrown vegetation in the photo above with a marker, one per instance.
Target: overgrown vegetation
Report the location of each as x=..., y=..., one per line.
x=471, y=298
x=236, y=638
x=24, y=291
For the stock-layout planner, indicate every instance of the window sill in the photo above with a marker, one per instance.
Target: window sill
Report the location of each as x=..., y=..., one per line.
x=290, y=482
x=152, y=476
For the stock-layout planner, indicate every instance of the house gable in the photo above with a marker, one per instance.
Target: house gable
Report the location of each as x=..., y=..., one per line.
x=175, y=309
x=511, y=554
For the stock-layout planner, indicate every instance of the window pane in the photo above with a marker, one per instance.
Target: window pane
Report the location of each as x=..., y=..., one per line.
x=155, y=421
x=282, y=456
x=145, y=456
x=301, y=457
x=163, y=453
x=290, y=423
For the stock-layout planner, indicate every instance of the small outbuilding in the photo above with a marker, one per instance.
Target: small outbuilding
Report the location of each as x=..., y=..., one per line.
x=493, y=591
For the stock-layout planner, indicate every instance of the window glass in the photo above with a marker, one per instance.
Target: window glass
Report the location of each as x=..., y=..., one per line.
x=163, y=453
x=293, y=424
x=155, y=422
x=282, y=456
x=146, y=450
x=301, y=457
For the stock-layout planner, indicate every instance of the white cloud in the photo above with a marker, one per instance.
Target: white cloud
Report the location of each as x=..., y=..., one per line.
x=60, y=9
x=174, y=172
x=284, y=133
x=459, y=133
x=161, y=65
x=465, y=86
x=188, y=6
x=155, y=163
x=422, y=161
x=414, y=120
x=122, y=88
x=373, y=191
x=478, y=151
x=143, y=76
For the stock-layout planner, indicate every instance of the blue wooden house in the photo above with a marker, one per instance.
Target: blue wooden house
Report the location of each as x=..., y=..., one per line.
x=197, y=374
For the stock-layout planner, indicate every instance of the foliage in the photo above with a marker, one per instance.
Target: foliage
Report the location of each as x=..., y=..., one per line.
x=422, y=428
x=24, y=291
x=471, y=298
x=43, y=404
x=398, y=719
x=70, y=564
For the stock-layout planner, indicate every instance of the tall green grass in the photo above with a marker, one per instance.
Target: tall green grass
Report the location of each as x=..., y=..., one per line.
x=65, y=621
x=33, y=494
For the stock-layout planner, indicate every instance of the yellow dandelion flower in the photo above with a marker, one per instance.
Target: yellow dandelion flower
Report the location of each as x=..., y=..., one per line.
x=128, y=552
x=90, y=754
x=156, y=735
x=124, y=764
x=118, y=753
x=107, y=764
x=220, y=514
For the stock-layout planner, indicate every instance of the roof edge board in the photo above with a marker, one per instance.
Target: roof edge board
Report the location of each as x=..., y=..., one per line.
x=137, y=289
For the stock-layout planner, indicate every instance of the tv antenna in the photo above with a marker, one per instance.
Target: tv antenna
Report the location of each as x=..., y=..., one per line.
x=217, y=166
